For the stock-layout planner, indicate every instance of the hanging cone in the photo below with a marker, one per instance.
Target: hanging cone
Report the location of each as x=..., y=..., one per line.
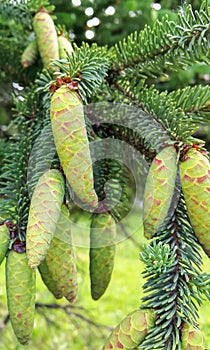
x=48, y=281
x=195, y=182
x=60, y=259
x=64, y=46
x=46, y=37
x=44, y=213
x=29, y=54
x=20, y=285
x=102, y=252
x=159, y=190
x=70, y=136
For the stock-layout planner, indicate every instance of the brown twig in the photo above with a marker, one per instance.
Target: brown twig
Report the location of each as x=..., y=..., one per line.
x=69, y=310
x=140, y=246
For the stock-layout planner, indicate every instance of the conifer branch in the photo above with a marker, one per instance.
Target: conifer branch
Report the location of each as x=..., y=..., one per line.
x=173, y=265
x=14, y=183
x=163, y=48
x=87, y=65
x=180, y=112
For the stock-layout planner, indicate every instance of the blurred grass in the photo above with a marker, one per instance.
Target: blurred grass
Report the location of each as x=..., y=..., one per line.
x=55, y=330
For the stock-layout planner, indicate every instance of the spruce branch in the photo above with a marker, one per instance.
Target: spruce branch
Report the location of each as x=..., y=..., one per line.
x=14, y=183
x=163, y=48
x=130, y=123
x=193, y=101
x=179, y=112
x=87, y=65
x=174, y=287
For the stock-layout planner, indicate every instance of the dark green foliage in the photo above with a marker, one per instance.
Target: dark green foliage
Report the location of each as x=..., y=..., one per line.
x=179, y=112
x=155, y=52
x=14, y=188
x=88, y=66
x=173, y=264
x=18, y=10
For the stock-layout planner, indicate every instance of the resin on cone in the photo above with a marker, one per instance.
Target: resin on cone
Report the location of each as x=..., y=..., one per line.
x=159, y=190
x=4, y=241
x=195, y=182
x=71, y=141
x=131, y=331
x=29, y=54
x=46, y=37
x=60, y=258
x=20, y=286
x=102, y=252
x=44, y=213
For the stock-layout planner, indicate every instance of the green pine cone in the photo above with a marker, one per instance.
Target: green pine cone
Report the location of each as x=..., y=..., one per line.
x=48, y=281
x=44, y=213
x=20, y=285
x=192, y=338
x=70, y=136
x=4, y=241
x=195, y=182
x=131, y=331
x=64, y=45
x=159, y=190
x=60, y=259
x=29, y=55
x=102, y=252
x=46, y=37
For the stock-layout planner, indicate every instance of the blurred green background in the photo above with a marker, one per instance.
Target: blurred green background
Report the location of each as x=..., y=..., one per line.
x=85, y=325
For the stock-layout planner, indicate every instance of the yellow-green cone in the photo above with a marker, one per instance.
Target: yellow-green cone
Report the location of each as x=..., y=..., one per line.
x=159, y=190
x=29, y=54
x=192, y=339
x=195, y=182
x=102, y=252
x=60, y=259
x=64, y=45
x=48, y=281
x=70, y=136
x=131, y=331
x=20, y=285
x=44, y=213
x=46, y=37
x=4, y=241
